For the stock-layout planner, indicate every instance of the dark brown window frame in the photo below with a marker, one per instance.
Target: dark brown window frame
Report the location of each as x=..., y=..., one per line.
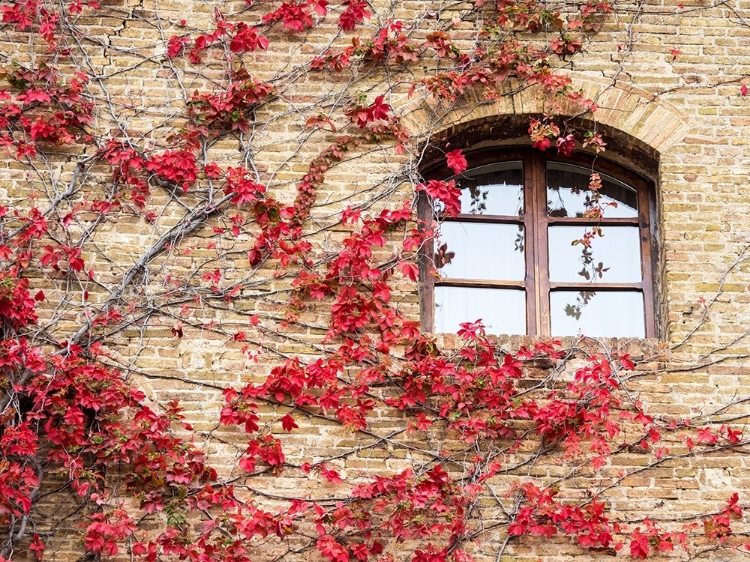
x=536, y=224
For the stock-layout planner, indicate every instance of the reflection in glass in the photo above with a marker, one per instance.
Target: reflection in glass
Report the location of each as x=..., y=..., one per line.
x=614, y=257
x=502, y=311
x=481, y=251
x=602, y=314
x=568, y=193
x=496, y=189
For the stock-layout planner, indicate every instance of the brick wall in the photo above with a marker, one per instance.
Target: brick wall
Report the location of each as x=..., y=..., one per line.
x=666, y=77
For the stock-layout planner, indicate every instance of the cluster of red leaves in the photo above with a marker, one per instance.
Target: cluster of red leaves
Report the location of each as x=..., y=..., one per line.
x=176, y=166
x=362, y=114
x=391, y=45
x=51, y=257
x=46, y=110
x=297, y=16
x=405, y=506
x=355, y=12
x=68, y=411
x=541, y=514
x=28, y=14
x=238, y=37
x=720, y=526
x=446, y=192
x=229, y=110
x=651, y=538
x=127, y=164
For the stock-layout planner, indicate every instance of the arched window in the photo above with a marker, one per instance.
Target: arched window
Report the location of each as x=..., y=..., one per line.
x=540, y=248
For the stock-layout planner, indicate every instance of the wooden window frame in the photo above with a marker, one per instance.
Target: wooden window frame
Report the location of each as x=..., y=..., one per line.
x=536, y=224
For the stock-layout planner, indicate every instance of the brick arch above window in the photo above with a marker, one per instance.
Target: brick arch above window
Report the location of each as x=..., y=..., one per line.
x=536, y=251
x=648, y=122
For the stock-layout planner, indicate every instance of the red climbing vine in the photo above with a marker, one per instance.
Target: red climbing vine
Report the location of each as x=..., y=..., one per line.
x=133, y=473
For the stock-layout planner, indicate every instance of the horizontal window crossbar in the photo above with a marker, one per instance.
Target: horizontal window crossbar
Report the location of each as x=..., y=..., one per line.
x=481, y=283
x=506, y=219
x=597, y=286
x=562, y=221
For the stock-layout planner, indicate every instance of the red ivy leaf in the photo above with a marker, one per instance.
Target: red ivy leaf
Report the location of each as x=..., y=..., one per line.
x=38, y=547
x=639, y=546
x=330, y=475
x=175, y=46
x=409, y=270
x=447, y=192
x=356, y=12
x=456, y=161
x=288, y=423
x=707, y=436
x=247, y=39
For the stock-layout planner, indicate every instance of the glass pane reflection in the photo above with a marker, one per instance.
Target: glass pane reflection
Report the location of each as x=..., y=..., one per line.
x=496, y=189
x=614, y=257
x=568, y=193
x=481, y=251
x=600, y=314
x=502, y=311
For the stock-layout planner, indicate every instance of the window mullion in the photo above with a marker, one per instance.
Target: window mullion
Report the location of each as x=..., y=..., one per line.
x=538, y=185
x=529, y=229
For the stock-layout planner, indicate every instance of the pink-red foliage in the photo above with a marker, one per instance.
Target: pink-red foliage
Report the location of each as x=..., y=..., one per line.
x=68, y=411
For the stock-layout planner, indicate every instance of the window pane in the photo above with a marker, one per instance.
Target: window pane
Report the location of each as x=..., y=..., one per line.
x=600, y=314
x=614, y=257
x=481, y=251
x=503, y=311
x=568, y=193
x=496, y=189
